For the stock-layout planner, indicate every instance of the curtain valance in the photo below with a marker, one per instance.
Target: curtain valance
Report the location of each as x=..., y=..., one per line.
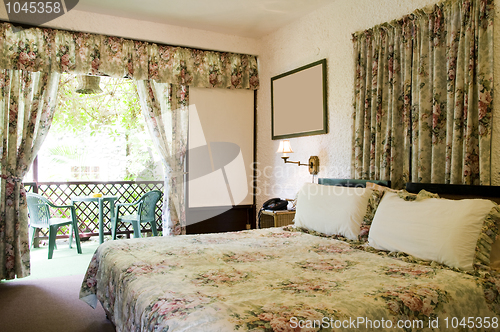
x=43, y=49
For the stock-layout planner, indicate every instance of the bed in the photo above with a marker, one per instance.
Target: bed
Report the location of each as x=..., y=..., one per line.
x=284, y=279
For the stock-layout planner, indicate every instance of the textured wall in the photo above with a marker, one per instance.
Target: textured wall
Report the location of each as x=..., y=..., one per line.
x=76, y=20
x=326, y=33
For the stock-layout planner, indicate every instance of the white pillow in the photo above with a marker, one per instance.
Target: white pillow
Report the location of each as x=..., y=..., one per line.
x=332, y=209
x=441, y=230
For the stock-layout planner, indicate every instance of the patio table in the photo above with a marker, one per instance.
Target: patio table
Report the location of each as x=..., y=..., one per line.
x=100, y=201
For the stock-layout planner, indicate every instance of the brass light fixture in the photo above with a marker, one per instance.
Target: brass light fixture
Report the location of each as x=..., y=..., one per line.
x=88, y=84
x=285, y=148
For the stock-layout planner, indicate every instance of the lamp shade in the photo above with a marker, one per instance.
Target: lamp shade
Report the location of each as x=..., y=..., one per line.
x=285, y=147
x=88, y=84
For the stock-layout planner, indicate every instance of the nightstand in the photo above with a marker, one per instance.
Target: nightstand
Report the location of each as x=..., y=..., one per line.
x=279, y=218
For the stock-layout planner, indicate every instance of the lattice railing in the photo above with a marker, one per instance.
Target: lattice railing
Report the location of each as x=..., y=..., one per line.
x=60, y=193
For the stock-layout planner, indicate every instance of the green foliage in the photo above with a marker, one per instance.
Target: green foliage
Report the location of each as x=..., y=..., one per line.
x=63, y=154
x=111, y=116
x=114, y=111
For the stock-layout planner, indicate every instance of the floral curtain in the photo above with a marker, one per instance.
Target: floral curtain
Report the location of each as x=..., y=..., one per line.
x=423, y=96
x=381, y=103
x=26, y=110
x=452, y=93
x=41, y=49
x=166, y=110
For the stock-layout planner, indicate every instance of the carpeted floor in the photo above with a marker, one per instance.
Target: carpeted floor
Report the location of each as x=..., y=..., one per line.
x=48, y=305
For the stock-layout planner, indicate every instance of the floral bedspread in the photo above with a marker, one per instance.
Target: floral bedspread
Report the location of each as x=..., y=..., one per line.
x=279, y=280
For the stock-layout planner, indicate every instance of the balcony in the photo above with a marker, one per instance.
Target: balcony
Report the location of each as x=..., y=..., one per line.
x=60, y=193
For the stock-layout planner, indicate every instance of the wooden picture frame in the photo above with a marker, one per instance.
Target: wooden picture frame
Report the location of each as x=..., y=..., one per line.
x=299, y=102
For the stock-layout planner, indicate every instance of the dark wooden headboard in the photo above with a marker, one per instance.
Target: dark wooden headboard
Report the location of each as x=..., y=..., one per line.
x=457, y=191
x=351, y=182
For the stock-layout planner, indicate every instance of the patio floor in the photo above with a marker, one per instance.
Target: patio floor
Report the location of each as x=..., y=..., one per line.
x=64, y=262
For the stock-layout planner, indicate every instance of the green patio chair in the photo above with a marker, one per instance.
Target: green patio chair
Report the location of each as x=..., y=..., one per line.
x=146, y=206
x=39, y=213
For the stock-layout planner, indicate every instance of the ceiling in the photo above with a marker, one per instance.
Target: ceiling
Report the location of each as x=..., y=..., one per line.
x=247, y=18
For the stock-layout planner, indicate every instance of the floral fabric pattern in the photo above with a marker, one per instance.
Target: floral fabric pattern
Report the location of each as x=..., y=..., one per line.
x=166, y=110
x=422, y=194
x=27, y=108
x=276, y=317
x=491, y=288
x=409, y=272
x=373, y=203
x=423, y=96
x=487, y=236
x=308, y=287
x=382, y=87
x=44, y=49
x=172, y=306
x=210, y=282
x=219, y=278
x=416, y=303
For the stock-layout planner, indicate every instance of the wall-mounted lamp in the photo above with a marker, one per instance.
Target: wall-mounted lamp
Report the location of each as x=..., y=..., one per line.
x=285, y=148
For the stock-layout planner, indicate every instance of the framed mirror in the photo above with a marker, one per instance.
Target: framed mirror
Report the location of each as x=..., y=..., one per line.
x=298, y=102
